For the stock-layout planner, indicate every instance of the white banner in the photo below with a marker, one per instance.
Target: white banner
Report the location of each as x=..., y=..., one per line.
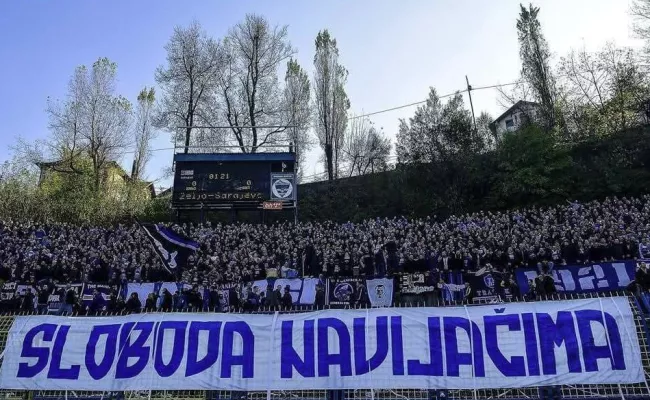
x=500, y=346
x=380, y=292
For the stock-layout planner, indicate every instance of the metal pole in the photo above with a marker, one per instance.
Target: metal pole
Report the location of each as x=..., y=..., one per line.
x=240, y=127
x=469, y=92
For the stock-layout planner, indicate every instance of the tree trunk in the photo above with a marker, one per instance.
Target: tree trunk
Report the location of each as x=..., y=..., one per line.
x=330, y=162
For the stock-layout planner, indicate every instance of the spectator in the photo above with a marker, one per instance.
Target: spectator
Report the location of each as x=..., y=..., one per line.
x=468, y=293
x=150, y=303
x=133, y=305
x=287, y=300
x=68, y=300
x=97, y=303
x=167, y=301
x=603, y=230
x=28, y=301
x=360, y=299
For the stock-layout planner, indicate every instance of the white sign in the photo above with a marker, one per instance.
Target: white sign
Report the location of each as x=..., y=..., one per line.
x=502, y=346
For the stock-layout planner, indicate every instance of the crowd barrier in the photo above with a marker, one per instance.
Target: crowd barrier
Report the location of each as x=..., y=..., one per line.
x=610, y=391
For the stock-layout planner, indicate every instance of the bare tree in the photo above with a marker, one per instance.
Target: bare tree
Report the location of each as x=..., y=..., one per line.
x=144, y=133
x=366, y=149
x=297, y=98
x=188, y=83
x=107, y=118
x=640, y=11
x=93, y=123
x=332, y=103
x=66, y=120
x=249, y=88
x=605, y=90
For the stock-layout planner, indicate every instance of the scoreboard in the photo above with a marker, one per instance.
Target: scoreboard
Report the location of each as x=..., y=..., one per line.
x=234, y=179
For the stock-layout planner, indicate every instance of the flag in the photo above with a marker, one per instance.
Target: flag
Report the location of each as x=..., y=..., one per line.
x=644, y=251
x=380, y=292
x=172, y=248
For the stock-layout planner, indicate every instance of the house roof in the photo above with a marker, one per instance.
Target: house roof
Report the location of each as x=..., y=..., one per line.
x=516, y=106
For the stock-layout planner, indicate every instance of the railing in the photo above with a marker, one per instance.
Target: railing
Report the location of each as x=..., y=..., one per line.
x=623, y=391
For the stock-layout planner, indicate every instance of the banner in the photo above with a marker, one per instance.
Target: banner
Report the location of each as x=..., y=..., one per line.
x=513, y=345
x=359, y=292
x=380, y=292
x=584, y=278
x=8, y=291
x=342, y=291
x=486, y=286
x=416, y=284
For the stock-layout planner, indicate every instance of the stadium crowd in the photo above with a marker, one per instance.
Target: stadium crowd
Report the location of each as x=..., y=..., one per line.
x=571, y=233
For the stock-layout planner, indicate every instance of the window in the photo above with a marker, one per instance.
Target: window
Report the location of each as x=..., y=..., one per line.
x=510, y=124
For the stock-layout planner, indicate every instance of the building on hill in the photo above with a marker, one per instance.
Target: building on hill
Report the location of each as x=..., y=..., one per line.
x=115, y=177
x=516, y=116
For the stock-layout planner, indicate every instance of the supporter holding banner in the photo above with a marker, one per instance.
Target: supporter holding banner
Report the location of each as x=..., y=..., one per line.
x=64, y=297
x=600, y=277
x=511, y=345
x=488, y=285
x=95, y=296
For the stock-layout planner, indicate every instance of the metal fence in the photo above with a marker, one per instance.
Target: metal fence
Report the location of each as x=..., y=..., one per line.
x=623, y=391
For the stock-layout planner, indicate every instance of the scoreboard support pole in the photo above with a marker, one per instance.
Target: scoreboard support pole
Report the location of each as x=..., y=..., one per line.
x=295, y=213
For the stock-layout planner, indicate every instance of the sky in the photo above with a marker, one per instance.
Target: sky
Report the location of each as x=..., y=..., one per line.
x=394, y=50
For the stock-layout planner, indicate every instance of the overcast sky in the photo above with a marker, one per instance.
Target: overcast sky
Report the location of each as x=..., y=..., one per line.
x=394, y=50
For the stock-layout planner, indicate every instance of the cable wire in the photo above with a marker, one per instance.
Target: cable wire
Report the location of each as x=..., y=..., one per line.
x=313, y=177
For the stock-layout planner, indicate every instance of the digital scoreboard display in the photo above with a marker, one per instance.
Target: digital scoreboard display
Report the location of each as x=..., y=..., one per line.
x=233, y=178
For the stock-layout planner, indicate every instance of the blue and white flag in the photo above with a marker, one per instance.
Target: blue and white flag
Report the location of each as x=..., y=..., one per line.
x=173, y=249
x=380, y=292
x=644, y=251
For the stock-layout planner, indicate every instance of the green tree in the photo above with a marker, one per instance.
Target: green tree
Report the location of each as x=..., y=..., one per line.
x=438, y=132
x=531, y=168
x=535, y=63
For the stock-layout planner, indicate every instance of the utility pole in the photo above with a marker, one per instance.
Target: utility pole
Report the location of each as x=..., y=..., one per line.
x=469, y=92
